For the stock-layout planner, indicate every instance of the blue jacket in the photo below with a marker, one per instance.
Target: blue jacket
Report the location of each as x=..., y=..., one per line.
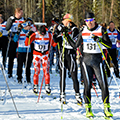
x=16, y=38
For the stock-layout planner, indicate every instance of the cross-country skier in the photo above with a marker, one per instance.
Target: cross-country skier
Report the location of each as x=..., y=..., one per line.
x=3, y=38
x=92, y=60
x=12, y=25
x=55, y=22
x=42, y=42
x=22, y=50
x=69, y=55
x=114, y=37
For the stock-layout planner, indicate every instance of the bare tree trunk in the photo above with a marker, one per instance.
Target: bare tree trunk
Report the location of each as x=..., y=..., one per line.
x=94, y=3
x=25, y=8
x=111, y=10
x=103, y=11
x=5, y=6
x=43, y=14
x=31, y=9
x=77, y=12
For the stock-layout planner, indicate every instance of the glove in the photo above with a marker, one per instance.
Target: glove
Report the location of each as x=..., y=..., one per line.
x=29, y=33
x=12, y=18
x=19, y=30
x=96, y=38
x=61, y=28
x=65, y=30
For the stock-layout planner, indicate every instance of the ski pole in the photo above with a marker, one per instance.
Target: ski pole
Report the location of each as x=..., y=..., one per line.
x=40, y=89
x=26, y=62
x=63, y=50
x=3, y=71
x=1, y=94
x=109, y=68
x=8, y=46
x=111, y=60
x=95, y=89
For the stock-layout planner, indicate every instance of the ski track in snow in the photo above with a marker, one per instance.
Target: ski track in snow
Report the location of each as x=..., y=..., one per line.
x=49, y=108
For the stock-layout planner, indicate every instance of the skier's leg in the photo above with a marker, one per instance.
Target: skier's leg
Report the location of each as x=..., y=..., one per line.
x=28, y=71
x=36, y=63
x=88, y=77
x=100, y=74
x=20, y=60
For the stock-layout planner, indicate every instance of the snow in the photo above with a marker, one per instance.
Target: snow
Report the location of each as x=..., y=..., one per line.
x=49, y=108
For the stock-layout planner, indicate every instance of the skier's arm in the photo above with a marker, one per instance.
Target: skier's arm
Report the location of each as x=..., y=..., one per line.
x=77, y=43
x=10, y=22
x=57, y=35
x=105, y=40
x=75, y=32
x=52, y=41
x=57, y=38
x=31, y=37
x=118, y=36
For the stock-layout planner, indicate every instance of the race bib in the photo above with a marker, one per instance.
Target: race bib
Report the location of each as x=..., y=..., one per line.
x=91, y=46
x=112, y=40
x=41, y=46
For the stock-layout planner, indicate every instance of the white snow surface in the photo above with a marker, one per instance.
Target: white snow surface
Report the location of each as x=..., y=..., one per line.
x=49, y=108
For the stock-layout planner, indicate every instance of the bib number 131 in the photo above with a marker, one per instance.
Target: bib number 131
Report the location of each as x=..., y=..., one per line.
x=91, y=46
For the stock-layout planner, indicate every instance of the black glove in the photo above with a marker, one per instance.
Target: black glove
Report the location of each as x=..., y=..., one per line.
x=12, y=18
x=96, y=38
x=61, y=28
x=65, y=30
x=29, y=33
x=19, y=30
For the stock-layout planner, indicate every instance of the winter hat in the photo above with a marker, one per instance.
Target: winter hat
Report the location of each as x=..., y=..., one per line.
x=68, y=17
x=42, y=30
x=89, y=15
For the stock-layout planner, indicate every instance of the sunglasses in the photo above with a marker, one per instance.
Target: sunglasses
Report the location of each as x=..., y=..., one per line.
x=87, y=20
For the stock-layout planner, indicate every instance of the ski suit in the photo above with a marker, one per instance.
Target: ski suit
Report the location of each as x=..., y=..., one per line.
x=113, y=35
x=22, y=53
x=69, y=59
x=13, y=27
x=3, y=40
x=40, y=54
x=92, y=59
x=52, y=50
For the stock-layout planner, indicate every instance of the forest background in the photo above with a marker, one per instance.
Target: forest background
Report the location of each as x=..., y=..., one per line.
x=104, y=10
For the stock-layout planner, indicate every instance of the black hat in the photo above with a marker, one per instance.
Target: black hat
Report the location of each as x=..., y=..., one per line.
x=55, y=20
x=42, y=30
x=89, y=15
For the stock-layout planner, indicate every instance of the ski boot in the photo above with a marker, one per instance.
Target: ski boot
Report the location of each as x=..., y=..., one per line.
x=89, y=113
x=69, y=74
x=50, y=70
x=19, y=81
x=62, y=98
x=47, y=89
x=78, y=98
x=35, y=89
x=57, y=70
x=82, y=82
x=94, y=81
x=107, y=110
x=9, y=75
